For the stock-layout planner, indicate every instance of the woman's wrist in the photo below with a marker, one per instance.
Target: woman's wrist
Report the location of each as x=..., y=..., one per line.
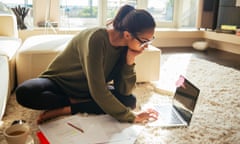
x=137, y=119
x=130, y=60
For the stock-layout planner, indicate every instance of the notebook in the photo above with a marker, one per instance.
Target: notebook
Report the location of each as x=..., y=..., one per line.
x=180, y=111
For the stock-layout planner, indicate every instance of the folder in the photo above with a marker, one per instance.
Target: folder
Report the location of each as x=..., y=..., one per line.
x=42, y=139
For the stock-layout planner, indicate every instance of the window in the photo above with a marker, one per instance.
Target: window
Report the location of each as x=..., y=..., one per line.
x=89, y=13
x=113, y=6
x=163, y=12
x=23, y=3
x=188, y=15
x=74, y=13
x=14, y=3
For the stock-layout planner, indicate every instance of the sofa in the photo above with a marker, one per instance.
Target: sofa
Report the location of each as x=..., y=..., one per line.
x=9, y=44
x=38, y=51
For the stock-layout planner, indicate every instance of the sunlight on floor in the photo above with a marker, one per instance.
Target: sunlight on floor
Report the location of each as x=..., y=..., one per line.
x=171, y=67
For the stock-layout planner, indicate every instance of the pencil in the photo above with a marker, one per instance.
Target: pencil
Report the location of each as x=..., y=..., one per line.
x=77, y=128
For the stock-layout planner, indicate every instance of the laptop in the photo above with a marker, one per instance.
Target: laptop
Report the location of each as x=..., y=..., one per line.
x=180, y=111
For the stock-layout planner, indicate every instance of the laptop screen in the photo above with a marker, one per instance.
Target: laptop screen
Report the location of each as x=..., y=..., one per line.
x=185, y=98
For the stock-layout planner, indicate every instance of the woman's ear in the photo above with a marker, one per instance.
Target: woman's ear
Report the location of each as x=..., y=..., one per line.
x=127, y=35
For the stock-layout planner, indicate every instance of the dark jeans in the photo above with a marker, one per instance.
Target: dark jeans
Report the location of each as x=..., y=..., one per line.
x=44, y=94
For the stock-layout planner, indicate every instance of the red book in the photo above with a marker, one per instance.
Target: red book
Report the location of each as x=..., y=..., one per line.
x=42, y=139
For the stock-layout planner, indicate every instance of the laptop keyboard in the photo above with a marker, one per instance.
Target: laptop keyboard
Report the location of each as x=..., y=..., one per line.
x=167, y=114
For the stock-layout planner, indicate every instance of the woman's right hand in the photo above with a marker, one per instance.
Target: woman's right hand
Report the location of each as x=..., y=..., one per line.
x=131, y=54
x=145, y=116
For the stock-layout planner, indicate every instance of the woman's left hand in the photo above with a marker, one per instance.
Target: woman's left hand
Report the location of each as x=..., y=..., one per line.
x=145, y=116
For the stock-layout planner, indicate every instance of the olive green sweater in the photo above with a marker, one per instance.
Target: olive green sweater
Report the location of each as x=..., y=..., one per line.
x=87, y=64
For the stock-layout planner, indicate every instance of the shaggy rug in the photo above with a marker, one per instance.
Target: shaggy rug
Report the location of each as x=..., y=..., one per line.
x=216, y=119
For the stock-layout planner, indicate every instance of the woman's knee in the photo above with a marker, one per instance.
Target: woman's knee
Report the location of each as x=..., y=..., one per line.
x=25, y=91
x=21, y=93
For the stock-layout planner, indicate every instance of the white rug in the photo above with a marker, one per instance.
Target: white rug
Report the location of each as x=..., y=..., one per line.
x=217, y=115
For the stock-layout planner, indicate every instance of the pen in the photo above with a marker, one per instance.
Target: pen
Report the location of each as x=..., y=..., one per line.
x=77, y=128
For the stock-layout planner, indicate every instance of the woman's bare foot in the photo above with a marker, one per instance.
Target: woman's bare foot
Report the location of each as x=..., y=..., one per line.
x=53, y=113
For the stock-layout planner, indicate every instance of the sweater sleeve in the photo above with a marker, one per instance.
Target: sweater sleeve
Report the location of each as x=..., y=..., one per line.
x=125, y=78
x=92, y=60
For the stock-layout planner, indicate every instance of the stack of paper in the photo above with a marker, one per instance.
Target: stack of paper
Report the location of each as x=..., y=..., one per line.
x=94, y=129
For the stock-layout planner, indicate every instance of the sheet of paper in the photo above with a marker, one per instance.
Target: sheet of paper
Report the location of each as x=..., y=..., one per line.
x=97, y=129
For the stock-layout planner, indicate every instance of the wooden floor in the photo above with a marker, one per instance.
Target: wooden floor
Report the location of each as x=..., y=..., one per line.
x=214, y=55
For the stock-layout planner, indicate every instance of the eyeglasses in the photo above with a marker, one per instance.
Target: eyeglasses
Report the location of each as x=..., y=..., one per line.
x=143, y=43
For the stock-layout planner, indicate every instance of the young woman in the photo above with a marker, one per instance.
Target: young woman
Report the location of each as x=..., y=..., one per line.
x=78, y=79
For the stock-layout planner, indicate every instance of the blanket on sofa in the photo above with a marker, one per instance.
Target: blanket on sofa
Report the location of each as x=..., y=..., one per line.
x=216, y=118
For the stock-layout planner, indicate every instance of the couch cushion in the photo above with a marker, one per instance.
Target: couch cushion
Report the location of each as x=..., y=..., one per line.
x=8, y=25
x=148, y=65
x=4, y=84
x=45, y=43
x=9, y=46
x=37, y=52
